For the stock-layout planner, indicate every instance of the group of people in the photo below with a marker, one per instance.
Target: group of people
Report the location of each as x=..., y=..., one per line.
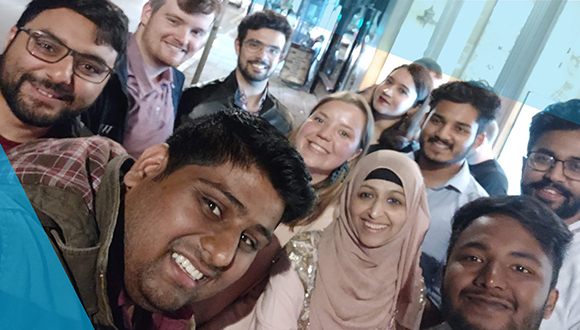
x=208, y=207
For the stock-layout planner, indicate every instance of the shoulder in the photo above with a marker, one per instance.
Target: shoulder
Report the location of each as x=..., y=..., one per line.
x=474, y=189
x=199, y=92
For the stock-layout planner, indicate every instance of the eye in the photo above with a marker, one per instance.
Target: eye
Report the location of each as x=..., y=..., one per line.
x=172, y=20
x=404, y=92
x=198, y=33
x=213, y=207
x=365, y=195
x=395, y=201
x=522, y=269
x=248, y=241
x=461, y=129
x=274, y=51
x=318, y=119
x=435, y=120
x=344, y=134
x=574, y=165
x=471, y=258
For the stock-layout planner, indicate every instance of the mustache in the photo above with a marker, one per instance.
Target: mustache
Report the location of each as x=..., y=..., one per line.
x=435, y=139
x=64, y=92
x=547, y=183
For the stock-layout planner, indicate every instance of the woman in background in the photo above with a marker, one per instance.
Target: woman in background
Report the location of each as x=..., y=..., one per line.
x=399, y=99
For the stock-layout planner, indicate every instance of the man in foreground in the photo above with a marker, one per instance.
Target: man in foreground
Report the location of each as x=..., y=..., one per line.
x=551, y=173
x=502, y=266
x=142, y=239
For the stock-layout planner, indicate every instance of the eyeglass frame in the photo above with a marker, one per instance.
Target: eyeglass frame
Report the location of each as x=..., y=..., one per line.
x=262, y=46
x=70, y=51
x=554, y=161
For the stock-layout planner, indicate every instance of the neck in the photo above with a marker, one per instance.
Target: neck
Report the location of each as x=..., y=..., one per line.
x=436, y=174
x=13, y=129
x=573, y=219
x=252, y=89
x=152, y=67
x=480, y=156
x=381, y=124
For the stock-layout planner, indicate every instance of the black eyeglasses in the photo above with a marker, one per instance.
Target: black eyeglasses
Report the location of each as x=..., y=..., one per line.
x=47, y=48
x=543, y=162
x=255, y=46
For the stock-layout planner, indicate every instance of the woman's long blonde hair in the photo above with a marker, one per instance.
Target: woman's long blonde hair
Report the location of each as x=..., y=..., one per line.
x=326, y=189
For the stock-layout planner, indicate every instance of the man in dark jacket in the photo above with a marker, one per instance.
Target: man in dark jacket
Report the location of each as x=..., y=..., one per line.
x=260, y=45
x=57, y=61
x=137, y=107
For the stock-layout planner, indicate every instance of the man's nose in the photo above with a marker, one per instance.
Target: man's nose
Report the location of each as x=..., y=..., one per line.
x=556, y=172
x=61, y=71
x=490, y=276
x=219, y=249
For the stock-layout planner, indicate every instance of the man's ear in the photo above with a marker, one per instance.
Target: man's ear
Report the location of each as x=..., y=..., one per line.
x=152, y=162
x=237, y=46
x=551, y=303
x=11, y=35
x=146, y=13
x=478, y=140
x=524, y=160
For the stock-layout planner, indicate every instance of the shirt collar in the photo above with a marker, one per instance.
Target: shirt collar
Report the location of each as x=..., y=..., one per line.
x=241, y=99
x=137, y=67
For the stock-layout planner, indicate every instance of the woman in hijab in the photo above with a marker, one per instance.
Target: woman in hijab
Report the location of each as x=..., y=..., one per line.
x=362, y=272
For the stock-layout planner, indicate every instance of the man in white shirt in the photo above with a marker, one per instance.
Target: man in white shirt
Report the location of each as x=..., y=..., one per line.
x=551, y=173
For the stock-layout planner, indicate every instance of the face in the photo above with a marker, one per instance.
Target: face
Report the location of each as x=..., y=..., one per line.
x=497, y=278
x=552, y=187
x=41, y=94
x=396, y=95
x=378, y=212
x=450, y=132
x=330, y=136
x=195, y=232
x=259, y=53
x=170, y=35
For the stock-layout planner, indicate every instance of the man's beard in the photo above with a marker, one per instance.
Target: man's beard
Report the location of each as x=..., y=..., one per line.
x=457, y=320
x=569, y=208
x=24, y=112
x=253, y=78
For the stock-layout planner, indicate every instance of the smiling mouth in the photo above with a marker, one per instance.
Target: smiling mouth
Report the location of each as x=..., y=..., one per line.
x=317, y=148
x=259, y=66
x=176, y=48
x=374, y=226
x=187, y=267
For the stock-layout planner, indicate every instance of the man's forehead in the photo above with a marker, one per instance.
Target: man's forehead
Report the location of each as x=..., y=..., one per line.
x=560, y=143
x=267, y=35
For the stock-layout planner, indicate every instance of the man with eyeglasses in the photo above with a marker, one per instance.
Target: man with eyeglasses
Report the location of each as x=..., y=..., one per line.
x=551, y=173
x=260, y=45
x=138, y=106
x=58, y=58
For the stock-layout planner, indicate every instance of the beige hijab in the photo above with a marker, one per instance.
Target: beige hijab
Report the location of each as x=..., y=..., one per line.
x=367, y=288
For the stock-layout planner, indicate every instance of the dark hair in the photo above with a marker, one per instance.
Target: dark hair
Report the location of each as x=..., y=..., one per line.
x=421, y=79
x=476, y=93
x=205, y=7
x=267, y=19
x=556, y=117
x=430, y=64
x=546, y=227
x=112, y=24
x=245, y=140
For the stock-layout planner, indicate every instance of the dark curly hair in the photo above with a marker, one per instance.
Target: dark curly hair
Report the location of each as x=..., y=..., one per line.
x=476, y=93
x=267, y=19
x=245, y=140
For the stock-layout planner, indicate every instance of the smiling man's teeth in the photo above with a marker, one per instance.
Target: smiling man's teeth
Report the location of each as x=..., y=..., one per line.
x=317, y=147
x=186, y=266
x=374, y=226
x=45, y=93
x=179, y=49
x=259, y=66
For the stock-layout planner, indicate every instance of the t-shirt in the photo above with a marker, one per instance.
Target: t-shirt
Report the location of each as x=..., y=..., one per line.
x=7, y=144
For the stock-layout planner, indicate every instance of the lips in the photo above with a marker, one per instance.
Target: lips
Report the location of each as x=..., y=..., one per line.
x=176, y=48
x=549, y=191
x=50, y=91
x=373, y=226
x=383, y=100
x=259, y=65
x=487, y=302
x=188, y=274
x=439, y=144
